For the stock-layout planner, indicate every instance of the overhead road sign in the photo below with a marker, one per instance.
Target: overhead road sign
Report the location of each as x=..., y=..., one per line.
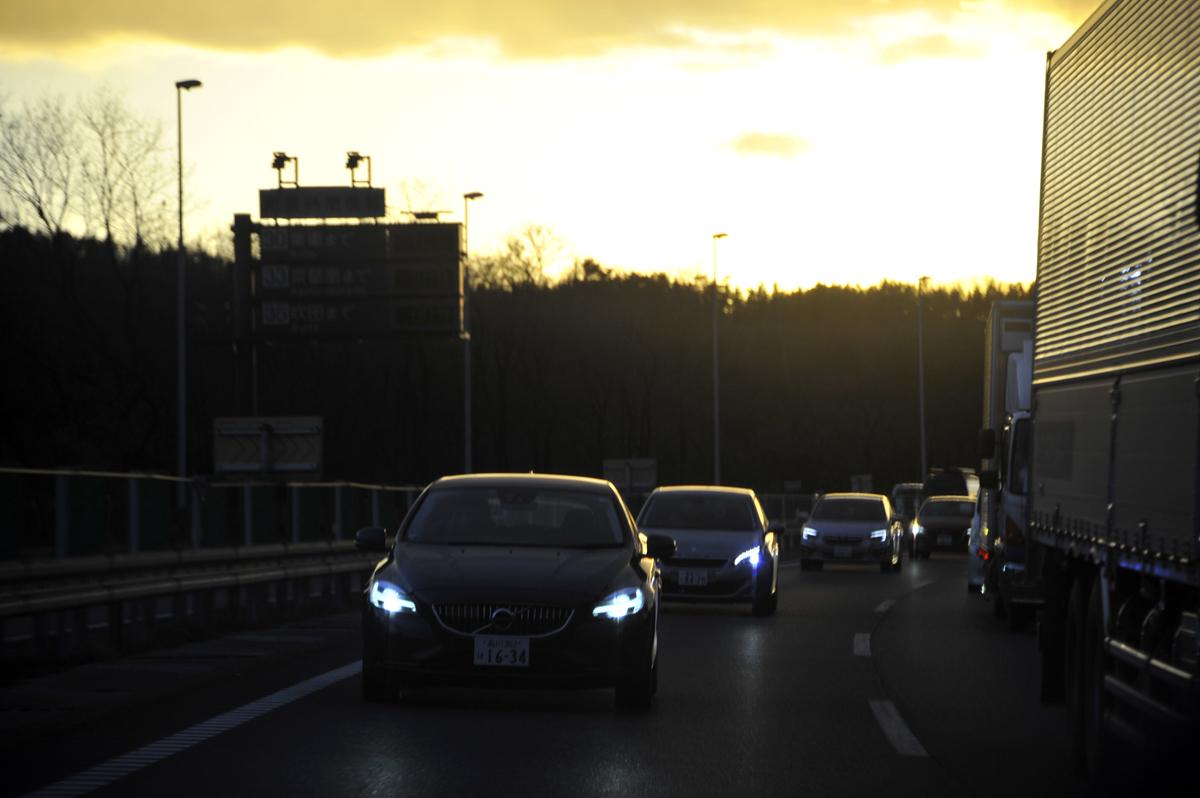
x=359, y=318
x=322, y=202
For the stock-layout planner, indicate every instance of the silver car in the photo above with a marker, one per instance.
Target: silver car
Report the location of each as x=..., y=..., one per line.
x=725, y=549
x=852, y=527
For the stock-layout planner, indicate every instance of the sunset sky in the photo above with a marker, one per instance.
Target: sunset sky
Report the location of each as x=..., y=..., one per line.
x=836, y=141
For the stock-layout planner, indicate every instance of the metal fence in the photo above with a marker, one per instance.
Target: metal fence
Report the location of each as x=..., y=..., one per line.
x=69, y=513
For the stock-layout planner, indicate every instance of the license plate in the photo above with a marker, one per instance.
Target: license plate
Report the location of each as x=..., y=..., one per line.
x=944, y=540
x=690, y=577
x=841, y=551
x=505, y=652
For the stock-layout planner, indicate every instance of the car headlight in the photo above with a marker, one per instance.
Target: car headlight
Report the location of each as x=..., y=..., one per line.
x=620, y=604
x=879, y=534
x=917, y=529
x=753, y=556
x=390, y=598
x=808, y=533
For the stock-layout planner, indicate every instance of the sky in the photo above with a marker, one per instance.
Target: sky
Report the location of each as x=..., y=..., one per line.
x=834, y=141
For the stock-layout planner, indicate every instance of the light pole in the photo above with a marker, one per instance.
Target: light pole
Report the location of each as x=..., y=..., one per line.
x=181, y=307
x=466, y=338
x=921, y=374
x=716, y=372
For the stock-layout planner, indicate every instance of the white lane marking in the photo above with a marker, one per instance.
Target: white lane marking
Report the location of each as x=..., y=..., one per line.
x=862, y=644
x=108, y=772
x=897, y=731
x=923, y=583
x=885, y=605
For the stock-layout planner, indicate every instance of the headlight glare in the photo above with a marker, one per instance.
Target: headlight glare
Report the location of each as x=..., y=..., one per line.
x=879, y=534
x=389, y=598
x=917, y=529
x=808, y=533
x=754, y=556
x=620, y=604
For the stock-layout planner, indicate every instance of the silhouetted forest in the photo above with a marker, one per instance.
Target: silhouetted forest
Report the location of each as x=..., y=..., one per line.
x=816, y=384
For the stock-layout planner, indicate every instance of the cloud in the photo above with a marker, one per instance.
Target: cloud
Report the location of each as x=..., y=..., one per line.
x=777, y=145
x=526, y=28
x=934, y=46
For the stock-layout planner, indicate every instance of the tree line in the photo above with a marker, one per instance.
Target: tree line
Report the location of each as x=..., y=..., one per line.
x=816, y=385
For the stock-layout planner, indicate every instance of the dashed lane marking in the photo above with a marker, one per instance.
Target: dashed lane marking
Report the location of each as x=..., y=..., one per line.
x=108, y=772
x=896, y=730
x=862, y=644
x=885, y=605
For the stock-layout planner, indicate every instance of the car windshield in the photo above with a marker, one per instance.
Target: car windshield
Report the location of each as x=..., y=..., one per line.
x=948, y=509
x=907, y=504
x=704, y=511
x=849, y=510
x=517, y=516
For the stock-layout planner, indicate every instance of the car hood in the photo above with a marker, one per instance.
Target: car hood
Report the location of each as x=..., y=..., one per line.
x=705, y=544
x=946, y=524
x=518, y=574
x=855, y=529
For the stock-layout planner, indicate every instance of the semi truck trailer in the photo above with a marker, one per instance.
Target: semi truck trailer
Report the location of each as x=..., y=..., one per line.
x=1112, y=541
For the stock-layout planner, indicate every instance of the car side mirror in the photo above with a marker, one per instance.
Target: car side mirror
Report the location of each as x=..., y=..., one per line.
x=987, y=444
x=778, y=527
x=989, y=480
x=371, y=538
x=660, y=547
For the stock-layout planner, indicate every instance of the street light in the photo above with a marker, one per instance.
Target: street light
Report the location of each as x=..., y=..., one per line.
x=921, y=373
x=181, y=308
x=466, y=338
x=716, y=373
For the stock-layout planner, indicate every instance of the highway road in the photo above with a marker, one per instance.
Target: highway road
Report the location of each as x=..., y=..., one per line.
x=863, y=683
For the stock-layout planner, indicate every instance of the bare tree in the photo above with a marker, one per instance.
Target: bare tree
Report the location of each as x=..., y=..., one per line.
x=418, y=197
x=125, y=173
x=40, y=165
x=523, y=260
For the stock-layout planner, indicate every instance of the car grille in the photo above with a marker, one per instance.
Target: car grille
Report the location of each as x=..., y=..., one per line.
x=841, y=540
x=523, y=620
x=694, y=562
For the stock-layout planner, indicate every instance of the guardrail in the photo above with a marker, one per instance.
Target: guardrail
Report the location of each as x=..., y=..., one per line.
x=65, y=513
x=53, y=610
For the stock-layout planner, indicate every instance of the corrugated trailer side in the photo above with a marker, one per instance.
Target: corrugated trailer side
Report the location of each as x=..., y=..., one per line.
x=1117, y=343
x=1115, y=506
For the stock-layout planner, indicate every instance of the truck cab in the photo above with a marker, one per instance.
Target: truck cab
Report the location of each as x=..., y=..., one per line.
x=1004, y=508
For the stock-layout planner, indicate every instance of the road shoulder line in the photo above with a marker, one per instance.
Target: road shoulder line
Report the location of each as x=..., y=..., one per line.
x=895, y=729
x=108, y=772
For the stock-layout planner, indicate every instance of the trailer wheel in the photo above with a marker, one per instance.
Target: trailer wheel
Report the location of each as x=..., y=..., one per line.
x=1073, y=634
x=1097, y=741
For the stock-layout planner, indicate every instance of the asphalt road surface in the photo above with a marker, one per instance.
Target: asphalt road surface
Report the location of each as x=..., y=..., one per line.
x=862, y=684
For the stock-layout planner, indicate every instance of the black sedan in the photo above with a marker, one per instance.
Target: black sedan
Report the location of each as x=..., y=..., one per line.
x=514, y=580
x=943, y=523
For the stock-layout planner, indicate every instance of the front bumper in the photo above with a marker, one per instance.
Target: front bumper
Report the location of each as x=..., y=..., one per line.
x=723, y=582
x=417, y=650
x=871, y=551
x=934, y=540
